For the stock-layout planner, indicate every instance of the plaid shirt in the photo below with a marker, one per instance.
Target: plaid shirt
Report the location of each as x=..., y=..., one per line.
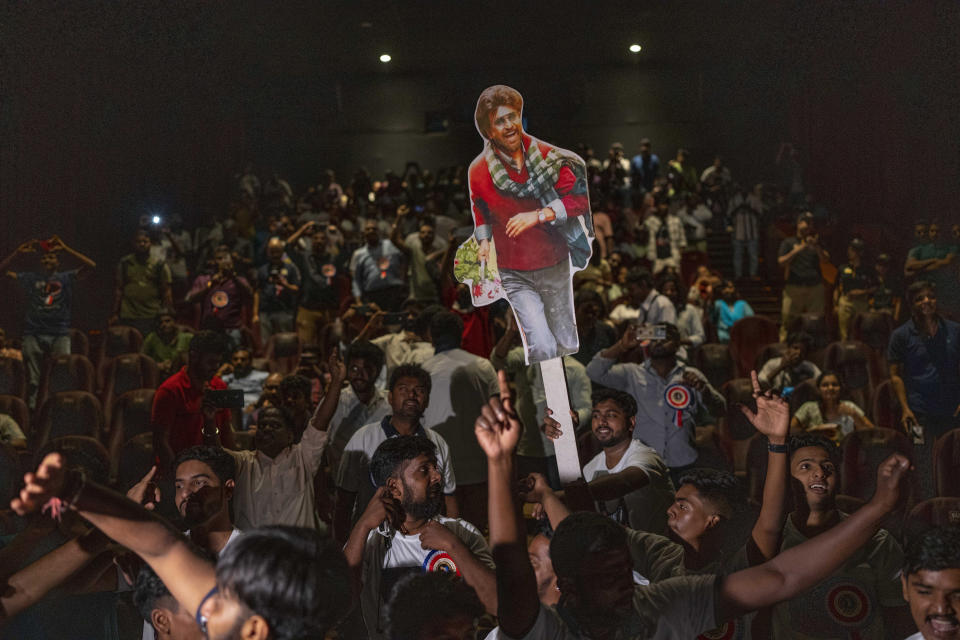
x=678, y=238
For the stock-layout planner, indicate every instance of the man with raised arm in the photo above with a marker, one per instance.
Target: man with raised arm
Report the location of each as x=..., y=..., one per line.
x=272, y=583
x=592, y=561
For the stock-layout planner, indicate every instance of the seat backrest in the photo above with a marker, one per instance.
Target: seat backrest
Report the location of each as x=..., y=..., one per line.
x=946, y=465
x=756, y=467
x=873, y=328
x=68, y=413
x=815, y=324
x=79, y=343
x=70, y=372
x=738, y=391
x=134, y=460
x=86, y=452
x=283, y=352
x=748, y=336
x=120, y=339
x=129, y=416
x=850, y=359
x=938, y=512
x=862, y=453
x=17, y=409
x=806, y=391
x=127, y=372
x=886, y=407
x=11, y=475
x=13, y=378
x=715, y=361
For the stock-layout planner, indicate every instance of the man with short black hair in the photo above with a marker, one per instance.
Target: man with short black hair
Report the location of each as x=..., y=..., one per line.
x=167, y=344
x=402, y=531
x=161, y=611
x=205, y=481
x=182, y=414
x=628, y=480
x=243, y=376
x=427, y=606
x=866, y=584
x=409, y=396
x=143, y=287
x=460, y=384
x=275, y=298
x=931, y=583
x=361, y=402
x=792, y=368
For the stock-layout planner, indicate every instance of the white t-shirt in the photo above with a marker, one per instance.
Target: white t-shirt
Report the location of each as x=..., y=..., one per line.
x=389, y=555
x=461, y=384
x=646, y=508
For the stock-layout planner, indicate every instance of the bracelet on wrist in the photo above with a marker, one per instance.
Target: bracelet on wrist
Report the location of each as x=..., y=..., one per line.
x=777, y=448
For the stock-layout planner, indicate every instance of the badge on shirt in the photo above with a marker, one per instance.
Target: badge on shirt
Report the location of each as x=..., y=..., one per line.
x=384, y=264
x=440, y=561
x=678, y=398
x=219, y=299
x=328, y=271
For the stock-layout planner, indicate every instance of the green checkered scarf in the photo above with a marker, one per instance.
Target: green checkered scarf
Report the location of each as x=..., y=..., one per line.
x=542, y=173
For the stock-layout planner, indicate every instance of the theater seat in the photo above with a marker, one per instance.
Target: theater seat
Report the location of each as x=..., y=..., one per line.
x=17, y=409
x=79, y=343
x=13, y=378
x=735, y=429
x=769, y=352
x=937, y=512
x=133, y=460
x=11, y=473
x=84, y=451
x=857, y=368
x=885, y=406
x=127, y=372
x=748, y=336
x=129, y=416
x=946, y=465
x=68, y=413
x=714, y=360
x=283, y=352
x=116, y=340
x=65, y=373
x=862, y=453
x=873, y=328
x=816, y=325
x=756, y=467
x=806, y=391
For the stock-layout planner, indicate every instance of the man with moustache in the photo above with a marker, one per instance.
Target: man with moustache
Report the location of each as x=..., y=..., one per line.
x=531, y=199
x=402, y=531
x=931, y=583
x=409, y=395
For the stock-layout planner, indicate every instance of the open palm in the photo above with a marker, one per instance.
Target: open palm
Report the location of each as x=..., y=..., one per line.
x=772, y=418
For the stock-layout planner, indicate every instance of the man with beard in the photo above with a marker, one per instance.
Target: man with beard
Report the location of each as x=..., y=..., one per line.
x=401, y=531
x=182, y=415
x=531, y=199
x=271, y=583
x=591, y=558
x=628, y=479
x=324, y=275
x=243, y=376
x=863, y=596
x=409, y=395
x=361, y=402
x=668, y=394
x=205, y=481
x=167, y=344
x=275, y=482
x=931, y=583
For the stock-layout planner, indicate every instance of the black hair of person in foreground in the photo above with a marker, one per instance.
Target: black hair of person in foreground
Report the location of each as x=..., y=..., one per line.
x=931, y=583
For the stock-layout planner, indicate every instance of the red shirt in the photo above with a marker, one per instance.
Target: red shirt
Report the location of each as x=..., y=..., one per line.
x=539, y=247
x=177, y=408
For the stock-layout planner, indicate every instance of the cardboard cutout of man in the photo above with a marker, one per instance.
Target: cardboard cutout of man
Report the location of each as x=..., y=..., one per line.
x=533, y=226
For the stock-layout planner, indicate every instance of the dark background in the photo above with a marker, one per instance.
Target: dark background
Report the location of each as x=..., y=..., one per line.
x=110, y=110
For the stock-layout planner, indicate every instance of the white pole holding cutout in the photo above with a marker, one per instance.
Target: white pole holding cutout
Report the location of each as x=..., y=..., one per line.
x=555, y=386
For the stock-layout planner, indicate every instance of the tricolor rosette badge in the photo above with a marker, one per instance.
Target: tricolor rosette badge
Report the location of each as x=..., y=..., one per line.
x=678, y=398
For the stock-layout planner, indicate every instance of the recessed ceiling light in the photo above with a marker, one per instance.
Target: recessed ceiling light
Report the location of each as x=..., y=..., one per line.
x=385, y=57
x=635, y=48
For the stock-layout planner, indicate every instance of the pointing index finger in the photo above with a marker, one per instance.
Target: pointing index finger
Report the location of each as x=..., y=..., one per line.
x=756, y=382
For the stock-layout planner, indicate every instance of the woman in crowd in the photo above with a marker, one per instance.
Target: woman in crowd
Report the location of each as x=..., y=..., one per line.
x=728, y=309
x=829, y=413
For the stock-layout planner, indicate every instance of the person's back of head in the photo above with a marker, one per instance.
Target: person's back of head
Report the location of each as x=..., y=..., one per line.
x=446, y=331
x=208, y=342
x=640, y=276
x=296, y=580
x=161, y=610
x=424, y=606
x=580, y=534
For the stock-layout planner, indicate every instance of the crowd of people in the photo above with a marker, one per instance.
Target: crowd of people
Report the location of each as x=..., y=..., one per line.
x=394, y=476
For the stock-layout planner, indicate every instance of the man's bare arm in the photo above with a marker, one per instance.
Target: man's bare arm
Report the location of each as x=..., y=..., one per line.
x=188, y=576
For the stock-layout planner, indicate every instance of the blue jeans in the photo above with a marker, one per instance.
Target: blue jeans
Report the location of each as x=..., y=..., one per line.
x=542, y=300
x=35, y=349
x=751, y=246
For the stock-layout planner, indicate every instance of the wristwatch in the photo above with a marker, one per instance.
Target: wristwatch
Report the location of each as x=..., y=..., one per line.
x=541, y=216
